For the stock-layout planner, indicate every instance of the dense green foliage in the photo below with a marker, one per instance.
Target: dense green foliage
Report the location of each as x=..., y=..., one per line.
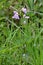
x=21, y=44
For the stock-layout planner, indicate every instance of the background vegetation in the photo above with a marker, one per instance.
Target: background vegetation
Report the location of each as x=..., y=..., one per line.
x=21, y=44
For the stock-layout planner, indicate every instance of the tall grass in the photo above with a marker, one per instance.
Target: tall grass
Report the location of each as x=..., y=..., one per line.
x=21, y=44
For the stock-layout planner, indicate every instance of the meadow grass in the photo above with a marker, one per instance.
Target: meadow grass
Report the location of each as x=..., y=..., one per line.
x=21, y=41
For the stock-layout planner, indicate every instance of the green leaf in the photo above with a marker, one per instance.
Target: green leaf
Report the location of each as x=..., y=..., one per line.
x=31, y=4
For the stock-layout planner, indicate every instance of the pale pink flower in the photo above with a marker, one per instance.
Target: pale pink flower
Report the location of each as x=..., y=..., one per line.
x=15, y=16
x=24, y=10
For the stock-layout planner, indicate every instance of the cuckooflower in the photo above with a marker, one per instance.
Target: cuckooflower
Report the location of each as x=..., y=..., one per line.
x=15, y=16
x=24, y=10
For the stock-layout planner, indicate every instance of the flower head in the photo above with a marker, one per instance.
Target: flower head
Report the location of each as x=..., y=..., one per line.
x=15, y=16
x=24, y=10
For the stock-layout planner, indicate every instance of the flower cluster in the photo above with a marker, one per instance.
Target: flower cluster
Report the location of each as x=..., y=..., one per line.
x=16, y=15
